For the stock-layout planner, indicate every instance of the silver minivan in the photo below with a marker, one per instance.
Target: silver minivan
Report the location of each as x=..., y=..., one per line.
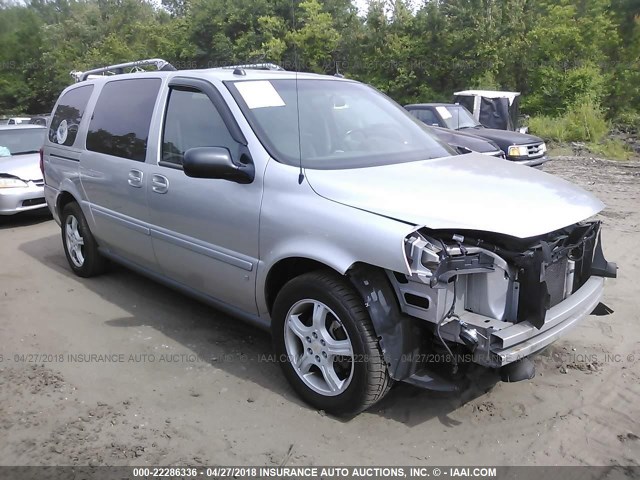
x=318, y=208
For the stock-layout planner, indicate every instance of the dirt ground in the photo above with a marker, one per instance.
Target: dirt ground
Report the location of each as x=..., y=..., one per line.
x=175, y=382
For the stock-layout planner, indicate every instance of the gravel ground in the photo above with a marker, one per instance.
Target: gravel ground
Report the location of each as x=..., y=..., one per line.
x=118, y=370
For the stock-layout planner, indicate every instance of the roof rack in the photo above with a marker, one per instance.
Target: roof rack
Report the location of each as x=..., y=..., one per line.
x=136, y=66
x=239, y=69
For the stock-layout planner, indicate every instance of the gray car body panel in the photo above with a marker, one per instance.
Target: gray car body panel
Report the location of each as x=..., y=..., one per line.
x=296, y=222
x=218, y=237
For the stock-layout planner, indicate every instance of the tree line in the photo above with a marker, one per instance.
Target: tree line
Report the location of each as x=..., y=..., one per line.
x=556, y=52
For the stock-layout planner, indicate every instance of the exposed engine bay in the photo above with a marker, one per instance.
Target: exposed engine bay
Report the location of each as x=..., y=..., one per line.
x=501, y=298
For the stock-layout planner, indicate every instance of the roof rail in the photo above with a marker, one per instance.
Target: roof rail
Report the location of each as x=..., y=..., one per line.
x=136, y=66
x=255, y=66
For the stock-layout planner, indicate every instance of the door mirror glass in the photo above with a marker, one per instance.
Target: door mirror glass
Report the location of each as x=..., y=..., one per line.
x=215, y=162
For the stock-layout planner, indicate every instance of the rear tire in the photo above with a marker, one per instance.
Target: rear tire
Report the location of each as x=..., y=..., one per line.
x=80, y=247
x=326, y=344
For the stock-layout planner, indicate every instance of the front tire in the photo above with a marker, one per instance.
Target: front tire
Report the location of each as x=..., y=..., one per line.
x=80, y=247
x=326, y=344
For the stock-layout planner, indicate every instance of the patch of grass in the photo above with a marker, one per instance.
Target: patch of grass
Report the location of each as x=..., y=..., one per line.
x=613, y=149
x=628, y=122
x=582, y=122
x=549, y=128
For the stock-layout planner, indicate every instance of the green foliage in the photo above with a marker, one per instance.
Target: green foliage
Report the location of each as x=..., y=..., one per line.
x=628, y=121
x=315, y=39
x=548, y=127
x=585, y=123
x=567, y=53
x=612, y=149
x=582, y=122
x=562, y=55
x=557, y=89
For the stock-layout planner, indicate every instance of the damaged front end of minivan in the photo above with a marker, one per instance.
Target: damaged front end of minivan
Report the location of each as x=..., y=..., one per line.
x=494, y=299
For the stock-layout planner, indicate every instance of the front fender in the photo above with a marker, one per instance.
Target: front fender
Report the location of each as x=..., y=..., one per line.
x=297, y=222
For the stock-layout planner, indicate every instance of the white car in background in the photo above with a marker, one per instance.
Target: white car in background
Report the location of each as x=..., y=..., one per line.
x=21, y=182
x=18, y=120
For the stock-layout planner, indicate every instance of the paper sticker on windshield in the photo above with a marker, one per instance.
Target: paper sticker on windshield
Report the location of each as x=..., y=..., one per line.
x=444, y=113
x=259, y=94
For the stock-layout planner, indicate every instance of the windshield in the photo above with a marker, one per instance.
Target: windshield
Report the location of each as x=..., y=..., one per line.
x=457, y=117
x=19, y=141
x=342, y=124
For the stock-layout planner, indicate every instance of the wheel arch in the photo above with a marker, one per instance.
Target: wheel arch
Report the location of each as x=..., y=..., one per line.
x=398, y=334
x=287, y=269
x=64, y=198
x=70, y=190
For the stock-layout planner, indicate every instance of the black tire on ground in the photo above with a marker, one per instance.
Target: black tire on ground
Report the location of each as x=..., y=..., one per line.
x=94, y=263
x=370, y=381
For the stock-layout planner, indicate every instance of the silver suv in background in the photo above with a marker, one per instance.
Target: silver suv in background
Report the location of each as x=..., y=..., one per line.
x=319, y=209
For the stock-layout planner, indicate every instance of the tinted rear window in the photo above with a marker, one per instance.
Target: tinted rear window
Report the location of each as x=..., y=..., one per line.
x=120, y=122
x=66, y=119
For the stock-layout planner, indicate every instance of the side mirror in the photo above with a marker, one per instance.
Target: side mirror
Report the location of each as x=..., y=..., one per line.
x=215, y=162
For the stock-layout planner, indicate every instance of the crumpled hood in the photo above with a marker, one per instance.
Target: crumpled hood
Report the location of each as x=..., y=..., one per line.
x=471, y=191
x=25, y=167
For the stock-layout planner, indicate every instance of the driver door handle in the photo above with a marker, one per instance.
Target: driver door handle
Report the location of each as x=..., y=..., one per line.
x=159, y=184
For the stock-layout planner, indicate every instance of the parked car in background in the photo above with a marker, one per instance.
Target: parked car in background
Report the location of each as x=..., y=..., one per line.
x=21, y=183
x=17, y=120
x=39, y=120
x=518, y=147
x=317, y=208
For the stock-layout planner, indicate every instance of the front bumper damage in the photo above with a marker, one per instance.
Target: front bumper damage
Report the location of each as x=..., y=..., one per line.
x=499, y=299
x=508, y=342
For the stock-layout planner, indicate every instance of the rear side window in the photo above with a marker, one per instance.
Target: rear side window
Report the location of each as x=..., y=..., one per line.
x=66, y=119
x=122, y=116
